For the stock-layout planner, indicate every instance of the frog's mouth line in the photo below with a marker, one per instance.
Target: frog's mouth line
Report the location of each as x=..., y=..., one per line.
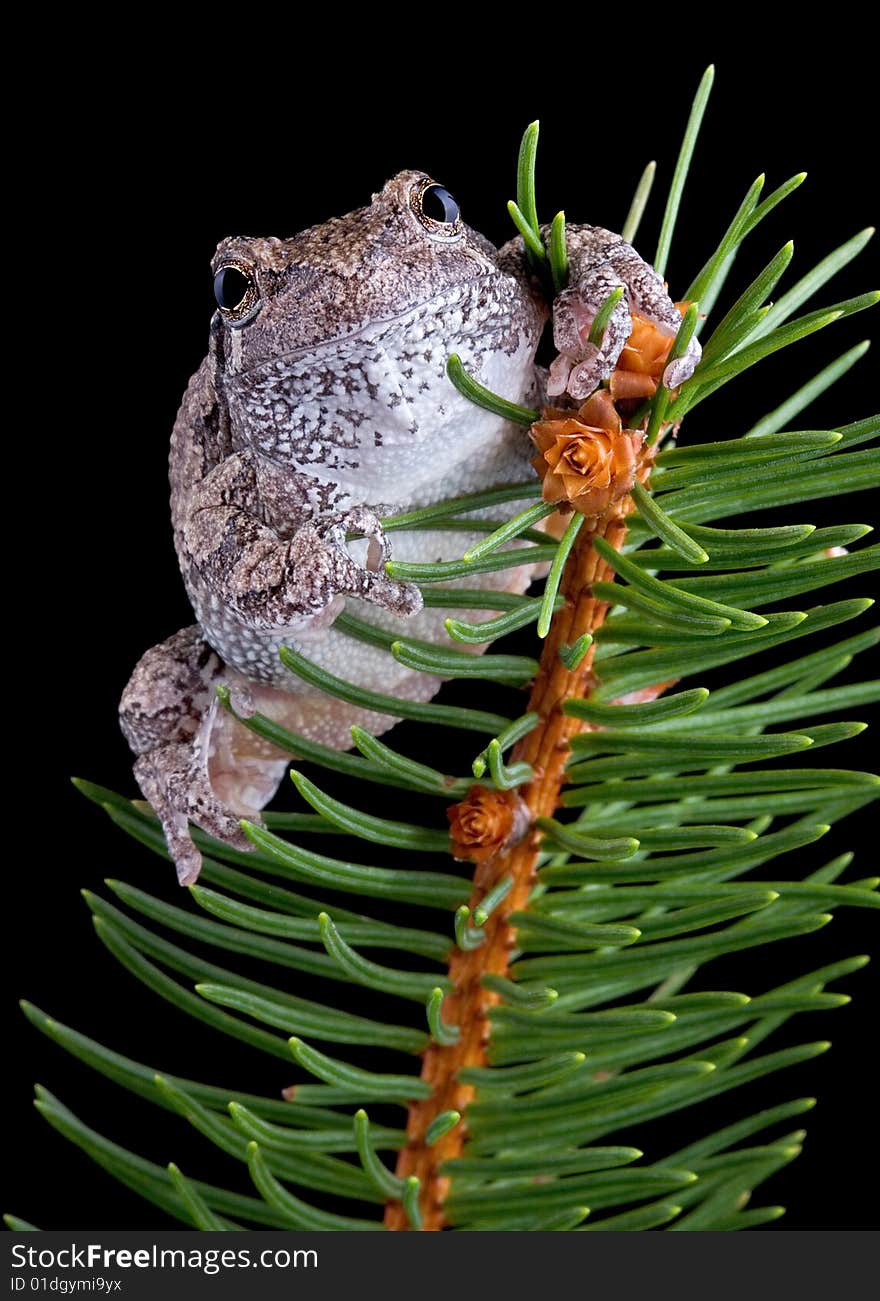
x=375, y=327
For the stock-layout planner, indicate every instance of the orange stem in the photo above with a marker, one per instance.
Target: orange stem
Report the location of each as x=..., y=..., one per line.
x=467, y=1005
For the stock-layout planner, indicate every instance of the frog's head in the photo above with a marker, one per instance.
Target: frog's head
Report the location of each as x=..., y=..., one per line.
x=408, y=255
x=331, y=347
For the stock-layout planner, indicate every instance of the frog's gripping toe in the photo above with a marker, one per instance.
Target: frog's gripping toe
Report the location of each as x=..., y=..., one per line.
x=402, y=599
x=188, y=859
x=577, y=378
x=180, y=794
x=188, y=863
x=682, y=368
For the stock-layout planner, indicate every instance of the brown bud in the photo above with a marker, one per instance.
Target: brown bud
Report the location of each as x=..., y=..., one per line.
x=586, y=458
x=485, y=822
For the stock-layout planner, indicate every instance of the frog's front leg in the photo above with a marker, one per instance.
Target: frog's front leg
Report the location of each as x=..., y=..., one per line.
x=600, y=262
x=268, y=581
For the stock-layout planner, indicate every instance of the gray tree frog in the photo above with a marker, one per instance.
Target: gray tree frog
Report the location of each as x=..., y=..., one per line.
x=322, y=405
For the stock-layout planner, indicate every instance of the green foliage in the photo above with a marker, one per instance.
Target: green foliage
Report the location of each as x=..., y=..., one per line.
x=679, y=820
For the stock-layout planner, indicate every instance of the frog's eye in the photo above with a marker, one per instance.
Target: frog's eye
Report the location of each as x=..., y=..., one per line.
x=437, y=210
x=235, y=291
x=439, y=205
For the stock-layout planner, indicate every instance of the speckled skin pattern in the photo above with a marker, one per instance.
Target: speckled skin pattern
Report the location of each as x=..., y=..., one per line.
x=323, y=405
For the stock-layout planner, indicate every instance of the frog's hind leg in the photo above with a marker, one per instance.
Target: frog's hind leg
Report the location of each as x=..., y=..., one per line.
x=169, y=715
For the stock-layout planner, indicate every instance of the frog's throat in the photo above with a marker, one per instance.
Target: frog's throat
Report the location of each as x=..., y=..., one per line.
x=480, y=312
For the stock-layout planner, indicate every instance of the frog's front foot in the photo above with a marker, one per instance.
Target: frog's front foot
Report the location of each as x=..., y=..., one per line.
x=324, y=562
x=582, y=364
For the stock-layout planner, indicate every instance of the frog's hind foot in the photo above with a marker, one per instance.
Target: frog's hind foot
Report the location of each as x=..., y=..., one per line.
x=177, y=786
x=172, y=720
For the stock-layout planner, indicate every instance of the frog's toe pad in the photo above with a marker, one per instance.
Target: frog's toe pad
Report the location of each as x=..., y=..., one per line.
x=680, y=370
x=180, y=793
x=578, y=378
x=403, y=599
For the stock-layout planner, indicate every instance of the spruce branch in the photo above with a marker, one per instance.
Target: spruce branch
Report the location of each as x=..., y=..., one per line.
x=545, y=750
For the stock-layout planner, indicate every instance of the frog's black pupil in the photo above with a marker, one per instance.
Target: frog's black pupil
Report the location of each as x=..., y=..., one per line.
x=439, y=205
x=230, y=287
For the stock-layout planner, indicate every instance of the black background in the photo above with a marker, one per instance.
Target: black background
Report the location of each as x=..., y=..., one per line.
x=142, y=163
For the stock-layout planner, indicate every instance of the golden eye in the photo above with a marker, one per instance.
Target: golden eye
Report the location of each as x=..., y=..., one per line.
x=235, y=290
x=436, y=209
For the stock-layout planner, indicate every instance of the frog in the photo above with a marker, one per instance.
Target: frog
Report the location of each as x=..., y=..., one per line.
x=323, y=407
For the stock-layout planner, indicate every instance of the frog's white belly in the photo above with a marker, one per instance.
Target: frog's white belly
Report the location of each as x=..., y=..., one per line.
x=377, y=417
